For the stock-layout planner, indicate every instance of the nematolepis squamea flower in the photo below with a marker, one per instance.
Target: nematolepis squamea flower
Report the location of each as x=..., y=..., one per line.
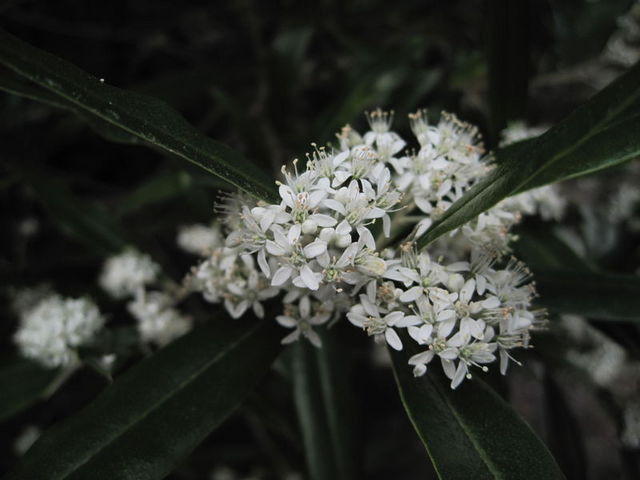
x=52, y=330
x=328, y=250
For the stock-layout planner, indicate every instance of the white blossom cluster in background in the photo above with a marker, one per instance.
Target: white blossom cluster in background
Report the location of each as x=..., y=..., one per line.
x=52, y=327
x=124, y=274
x=128, y=276
x=623, y=47
x=609, y=367
x=605, y=203
x=26, y=438
x=334, y=246
x=547, y=201
x=226, y=473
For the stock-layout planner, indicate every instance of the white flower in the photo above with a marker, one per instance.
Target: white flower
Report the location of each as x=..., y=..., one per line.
x=353, y=205
x=233, y=279
x=340, y=236
x=303, y=318
x=367, y=316
x=199, y=239
x=341, y=269
x=123, y=274
x=248, y=291
x=317, y=247
x=518, y=131
x=387, y=143
x=27, y=437
x=543, y=200
x=463, y=312
x=295, y=258
x=51, y=331
x=158, y=321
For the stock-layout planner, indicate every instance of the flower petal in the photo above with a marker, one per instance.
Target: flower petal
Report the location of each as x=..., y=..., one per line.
x=262, y=262
x=282, y=275
x=315, y=248
x=313, y=337
x=323, y=220
x=310, y=278
x=411, y=295
x=422, y=357
x=274, y=249
x=286, y=321
x=393, y=339
x=461, y=372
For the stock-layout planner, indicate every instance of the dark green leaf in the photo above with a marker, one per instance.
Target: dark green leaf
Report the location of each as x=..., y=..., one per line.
x=156, y=413
x=161, y=187
x=324, y=402
x=581, y=29
x=168, y=185
x=567, y=283
x=85, y=222
x=601, y=133
x=541, y=249
x=143, y=117
x=470, y=432
x=599, y=296
x=564, y=430
x=22, y=383
x=17, y=86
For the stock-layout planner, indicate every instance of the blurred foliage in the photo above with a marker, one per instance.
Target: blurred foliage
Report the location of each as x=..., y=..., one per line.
x=267, y=78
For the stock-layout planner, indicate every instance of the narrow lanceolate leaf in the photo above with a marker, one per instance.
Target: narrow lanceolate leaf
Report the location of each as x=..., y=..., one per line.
x=599, y=296
x=22, y=383
x=324, y=404
x=602, y=133
x=471, y=432
x=156, y=413
x=16, y=85
x=140, y=116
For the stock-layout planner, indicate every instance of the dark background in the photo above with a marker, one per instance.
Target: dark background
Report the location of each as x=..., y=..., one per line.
x=268, y=78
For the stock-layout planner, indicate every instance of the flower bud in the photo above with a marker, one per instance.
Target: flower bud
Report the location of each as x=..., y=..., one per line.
x=309, y=227
x=343, y=241
x=372, y=265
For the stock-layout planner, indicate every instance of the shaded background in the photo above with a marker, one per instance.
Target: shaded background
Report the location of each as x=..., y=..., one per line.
x=268, y=78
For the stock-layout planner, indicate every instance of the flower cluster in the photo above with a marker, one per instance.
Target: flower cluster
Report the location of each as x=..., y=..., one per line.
x=330, y=247
x=51, y=331
x=317, y=245
x=622, y=46
x=464, y=313
x=545, y=201
x=124, y=274
x=127, y=275
x=609, y=367
x=226, y=276
x=199, y=239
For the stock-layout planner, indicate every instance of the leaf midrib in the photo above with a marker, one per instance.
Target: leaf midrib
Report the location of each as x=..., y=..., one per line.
x=597, y=128
x=414, y=424
x=498, y=173
x=182, y=385
x=331, y=410
x=481, y=452
x=109, y=120
x=162, y=145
